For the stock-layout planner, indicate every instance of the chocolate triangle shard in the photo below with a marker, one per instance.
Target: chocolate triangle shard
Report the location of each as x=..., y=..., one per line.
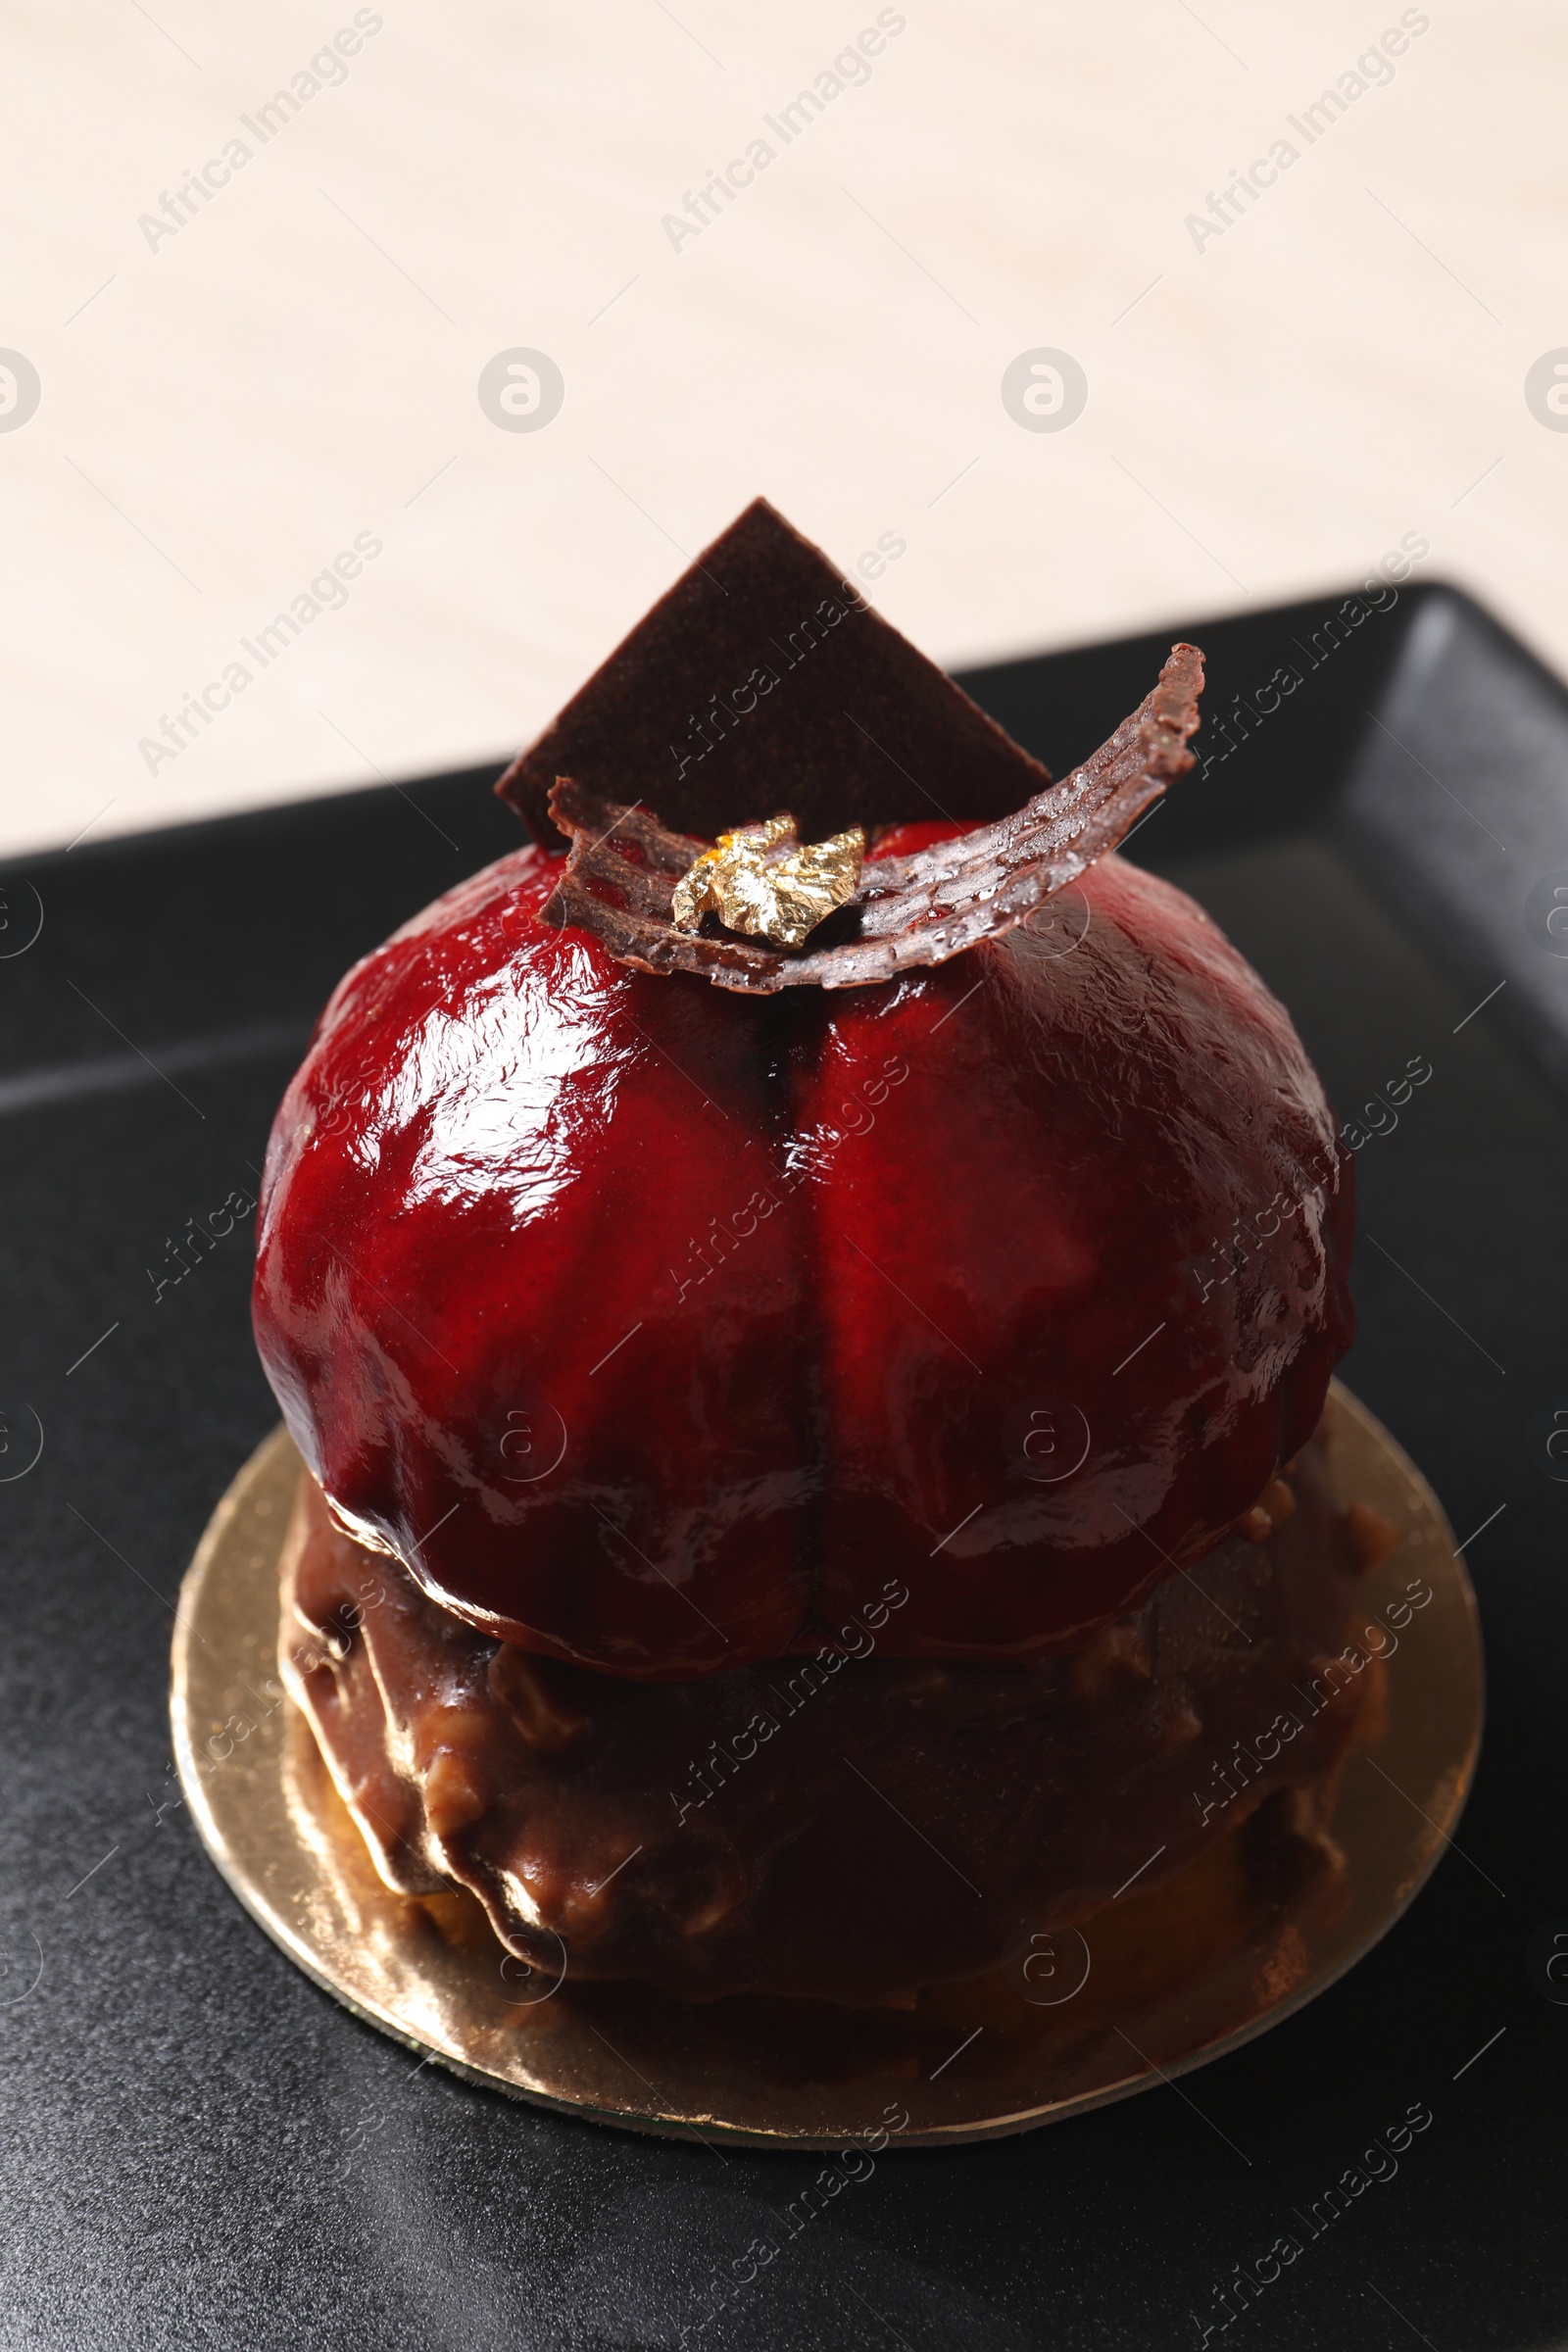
x=620, y=877
x=763, y=681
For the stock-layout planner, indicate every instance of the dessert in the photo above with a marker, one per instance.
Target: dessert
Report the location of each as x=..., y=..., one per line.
x=813, y=1426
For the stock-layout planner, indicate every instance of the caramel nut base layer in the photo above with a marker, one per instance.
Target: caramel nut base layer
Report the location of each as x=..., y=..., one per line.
x=1160, y=1981
x=832, y=1827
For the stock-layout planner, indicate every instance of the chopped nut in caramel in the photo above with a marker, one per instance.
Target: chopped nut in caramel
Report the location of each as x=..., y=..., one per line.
x=530, y=1689
x=1372, y=1537
x=453, y=1797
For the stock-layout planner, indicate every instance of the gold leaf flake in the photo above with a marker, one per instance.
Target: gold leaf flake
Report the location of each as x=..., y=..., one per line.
x=762, y=880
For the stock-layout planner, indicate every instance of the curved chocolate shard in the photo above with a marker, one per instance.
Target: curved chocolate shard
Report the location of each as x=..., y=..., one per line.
x=764, y=665
x=621, y=874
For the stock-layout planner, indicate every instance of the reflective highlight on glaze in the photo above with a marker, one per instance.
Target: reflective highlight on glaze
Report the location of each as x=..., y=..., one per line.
x=810, y=1287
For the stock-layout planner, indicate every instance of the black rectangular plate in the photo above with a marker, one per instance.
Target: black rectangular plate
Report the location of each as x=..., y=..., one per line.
x=201, y=2148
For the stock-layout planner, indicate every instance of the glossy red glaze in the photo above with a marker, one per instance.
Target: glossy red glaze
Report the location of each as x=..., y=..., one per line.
x=655, y=1327
x=906, y=841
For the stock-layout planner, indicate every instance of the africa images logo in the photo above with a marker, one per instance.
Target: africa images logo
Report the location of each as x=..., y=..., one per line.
x=521, y=390
x=1044, y=391
x=20, y=390
x=1546, y=390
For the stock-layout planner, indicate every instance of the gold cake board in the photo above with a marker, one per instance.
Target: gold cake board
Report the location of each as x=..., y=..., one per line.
x=1158, y=1983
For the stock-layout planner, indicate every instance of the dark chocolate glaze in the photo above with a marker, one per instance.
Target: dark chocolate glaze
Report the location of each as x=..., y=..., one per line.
x=839, y=1827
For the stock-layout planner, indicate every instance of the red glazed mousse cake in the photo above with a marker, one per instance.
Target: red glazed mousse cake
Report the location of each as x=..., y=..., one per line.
x=814, y=1436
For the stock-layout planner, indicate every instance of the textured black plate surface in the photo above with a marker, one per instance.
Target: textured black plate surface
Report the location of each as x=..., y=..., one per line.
x=201, y=2148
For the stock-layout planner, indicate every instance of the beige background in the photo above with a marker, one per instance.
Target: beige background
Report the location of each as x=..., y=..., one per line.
x=225, y=409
